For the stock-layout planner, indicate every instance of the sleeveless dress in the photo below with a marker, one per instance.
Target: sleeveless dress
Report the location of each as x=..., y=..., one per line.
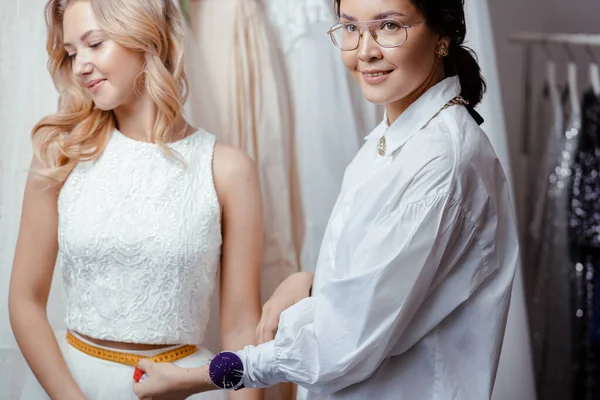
x=139, y=246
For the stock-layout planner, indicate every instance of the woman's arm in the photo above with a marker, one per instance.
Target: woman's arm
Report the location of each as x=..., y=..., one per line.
x=295, y=288
x=35, y=257
x=341, y=336
x=238, y=188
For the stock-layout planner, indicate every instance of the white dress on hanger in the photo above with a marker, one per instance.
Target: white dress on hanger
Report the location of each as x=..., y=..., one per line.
x=331, y=116
x=241, y=69
x=238, y=91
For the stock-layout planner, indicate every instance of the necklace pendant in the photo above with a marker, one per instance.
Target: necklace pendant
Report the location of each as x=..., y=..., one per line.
x=382, y=146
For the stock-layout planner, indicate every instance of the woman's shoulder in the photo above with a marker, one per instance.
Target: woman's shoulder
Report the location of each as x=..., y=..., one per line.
x=230, y=160
x=432, y=150
x=232, y=168
x=459, y=124
x=451, y=154
x=453, y=137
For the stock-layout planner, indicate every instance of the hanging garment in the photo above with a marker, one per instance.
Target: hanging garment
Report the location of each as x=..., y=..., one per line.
x=543, y=146
x=584, y=224
x=238, y=90
x=247, y=87
x=544, y=151
x=549, y=288
x=331, y=116
x=585, y=201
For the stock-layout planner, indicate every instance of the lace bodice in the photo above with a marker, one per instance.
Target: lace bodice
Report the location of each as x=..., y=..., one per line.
x=139, y=242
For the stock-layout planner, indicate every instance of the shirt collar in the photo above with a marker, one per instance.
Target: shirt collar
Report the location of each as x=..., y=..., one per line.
x=417, y=115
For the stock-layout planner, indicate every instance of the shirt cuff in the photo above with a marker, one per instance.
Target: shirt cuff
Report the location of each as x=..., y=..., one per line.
x=260, y=366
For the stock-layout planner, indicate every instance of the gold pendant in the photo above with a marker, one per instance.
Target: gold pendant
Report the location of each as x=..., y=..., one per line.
x=382, y=146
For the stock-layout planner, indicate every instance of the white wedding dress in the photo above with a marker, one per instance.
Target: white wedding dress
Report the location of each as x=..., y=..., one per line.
x=139, y=250
x=27, y=95
x=331, y=116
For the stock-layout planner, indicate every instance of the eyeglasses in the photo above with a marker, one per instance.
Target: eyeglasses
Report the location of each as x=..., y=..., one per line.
x=387, y=33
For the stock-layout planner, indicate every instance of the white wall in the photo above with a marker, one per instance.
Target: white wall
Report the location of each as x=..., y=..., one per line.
x=515, y=379
x=572, y=16
x=510, y=16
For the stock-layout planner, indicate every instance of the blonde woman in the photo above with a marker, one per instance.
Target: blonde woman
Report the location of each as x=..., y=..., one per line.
x=141, y=209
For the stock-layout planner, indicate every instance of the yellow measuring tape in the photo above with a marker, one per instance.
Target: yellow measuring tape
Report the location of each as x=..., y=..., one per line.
x=127, y=358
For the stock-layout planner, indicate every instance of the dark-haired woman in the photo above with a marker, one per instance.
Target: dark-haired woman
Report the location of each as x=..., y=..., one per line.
x=412, y=287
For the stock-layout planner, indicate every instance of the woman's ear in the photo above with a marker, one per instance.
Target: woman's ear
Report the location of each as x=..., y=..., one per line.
x=445, y=40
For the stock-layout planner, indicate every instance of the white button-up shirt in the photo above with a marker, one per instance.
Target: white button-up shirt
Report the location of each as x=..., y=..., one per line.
x=413, y=283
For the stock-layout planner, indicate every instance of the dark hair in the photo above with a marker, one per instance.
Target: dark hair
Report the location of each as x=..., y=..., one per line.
x=447, y=18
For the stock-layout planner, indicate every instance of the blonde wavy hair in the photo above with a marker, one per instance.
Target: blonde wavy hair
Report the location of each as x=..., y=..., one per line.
x=79, y=132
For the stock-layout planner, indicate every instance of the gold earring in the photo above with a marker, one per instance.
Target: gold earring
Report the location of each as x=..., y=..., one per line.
x=442, y=50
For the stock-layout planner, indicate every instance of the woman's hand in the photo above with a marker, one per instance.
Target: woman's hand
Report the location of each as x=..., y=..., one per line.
x=166, y=381
x=295, y=288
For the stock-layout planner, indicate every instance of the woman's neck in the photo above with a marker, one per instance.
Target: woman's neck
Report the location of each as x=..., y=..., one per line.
x=136, y=120
x=396, y=108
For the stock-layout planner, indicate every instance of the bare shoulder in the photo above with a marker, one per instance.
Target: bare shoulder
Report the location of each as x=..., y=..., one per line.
x=231, y=164
x=233, y=170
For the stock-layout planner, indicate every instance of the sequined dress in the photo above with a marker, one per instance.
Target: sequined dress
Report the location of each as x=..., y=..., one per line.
x=584, y=235
x=549, y=290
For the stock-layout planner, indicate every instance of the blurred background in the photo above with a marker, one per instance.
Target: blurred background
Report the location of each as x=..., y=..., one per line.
x=264, y=77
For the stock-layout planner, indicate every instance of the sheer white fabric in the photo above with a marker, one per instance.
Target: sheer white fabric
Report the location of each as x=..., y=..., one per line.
x=331, y=116
x=239, y=91
x=244, y=75
x=293, y=20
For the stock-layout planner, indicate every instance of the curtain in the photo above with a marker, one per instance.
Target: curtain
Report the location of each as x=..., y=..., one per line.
x=26, y=95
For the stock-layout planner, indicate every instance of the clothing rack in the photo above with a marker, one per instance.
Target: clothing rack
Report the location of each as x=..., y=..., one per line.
x=530, y=39
x=567, y=50
x=576, y=39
